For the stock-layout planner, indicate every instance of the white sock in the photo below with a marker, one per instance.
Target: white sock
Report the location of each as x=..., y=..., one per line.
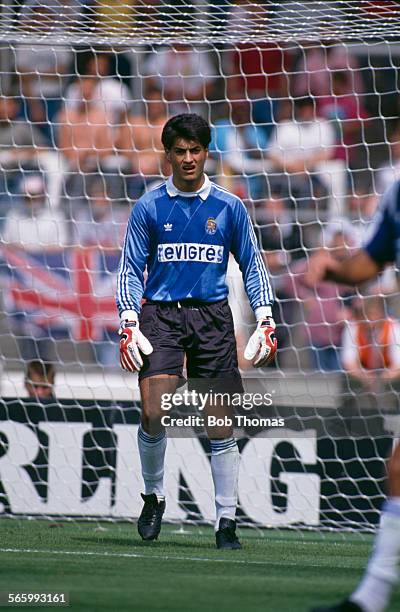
x=375, y=589
x=225, y=470
x=152, y=454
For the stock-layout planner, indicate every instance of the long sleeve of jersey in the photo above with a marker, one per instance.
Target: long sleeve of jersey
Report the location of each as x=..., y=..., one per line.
x=135, y=252
x=246, y=252
x=382, y=238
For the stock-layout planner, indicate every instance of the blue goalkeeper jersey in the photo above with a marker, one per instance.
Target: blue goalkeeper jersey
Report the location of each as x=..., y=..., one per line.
x=383, y=240
x=185, y=241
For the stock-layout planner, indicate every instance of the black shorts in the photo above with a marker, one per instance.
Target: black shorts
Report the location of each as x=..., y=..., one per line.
x=204, y=332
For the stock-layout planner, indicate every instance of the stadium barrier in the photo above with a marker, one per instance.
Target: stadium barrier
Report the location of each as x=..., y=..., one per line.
x=78, y=459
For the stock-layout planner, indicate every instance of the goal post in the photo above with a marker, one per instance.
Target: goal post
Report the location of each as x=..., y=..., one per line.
x=302, y=99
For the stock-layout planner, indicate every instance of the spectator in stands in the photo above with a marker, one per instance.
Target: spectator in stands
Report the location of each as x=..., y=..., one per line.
x=298, y=149
x=256, y=71
x=33, y=225
x=108, y=93
x=140, y=139
x=88, y=143
x=371, y=354
x=101, y=224
x=345, y=110
x=20, y=141
x=20, y=146
x=312, y=72
x=43, y=68
x=39, y=380
x=325, y=309
x=185, y=75
x=85, y=135
x=239, y=147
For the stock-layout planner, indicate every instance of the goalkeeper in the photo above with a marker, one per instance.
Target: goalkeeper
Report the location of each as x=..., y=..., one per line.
x=374, y=591
x=183, y=232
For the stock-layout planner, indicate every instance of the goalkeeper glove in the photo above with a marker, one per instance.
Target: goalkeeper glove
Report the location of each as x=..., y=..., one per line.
x=262, y=346
x=131, y=342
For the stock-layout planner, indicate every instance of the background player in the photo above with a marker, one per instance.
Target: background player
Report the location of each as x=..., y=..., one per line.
x=183, y=232
x=374, y=591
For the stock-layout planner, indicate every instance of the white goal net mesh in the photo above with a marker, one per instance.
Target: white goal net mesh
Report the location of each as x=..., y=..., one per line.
x=303, y=100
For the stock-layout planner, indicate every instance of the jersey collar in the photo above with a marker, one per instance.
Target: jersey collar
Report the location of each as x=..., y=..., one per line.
x=203, y=192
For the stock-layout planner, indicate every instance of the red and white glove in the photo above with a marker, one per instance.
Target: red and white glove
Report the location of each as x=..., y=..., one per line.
x=131, y=342
x=262, y=346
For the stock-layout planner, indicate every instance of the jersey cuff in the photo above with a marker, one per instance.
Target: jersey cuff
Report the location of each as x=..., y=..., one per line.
x=262, y=312
x=374, y=255
x=129, y=315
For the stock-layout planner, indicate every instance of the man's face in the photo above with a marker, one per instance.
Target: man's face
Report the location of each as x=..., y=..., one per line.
x=187, y=158
x=37, y=386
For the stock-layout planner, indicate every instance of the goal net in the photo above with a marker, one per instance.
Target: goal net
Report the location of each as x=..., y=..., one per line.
x=303, y=101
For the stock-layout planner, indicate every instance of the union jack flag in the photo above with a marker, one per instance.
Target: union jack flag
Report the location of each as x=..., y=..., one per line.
x=69, y=291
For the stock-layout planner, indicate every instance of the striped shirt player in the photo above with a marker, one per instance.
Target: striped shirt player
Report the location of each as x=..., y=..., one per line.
x=181, y=233
x=381, y=247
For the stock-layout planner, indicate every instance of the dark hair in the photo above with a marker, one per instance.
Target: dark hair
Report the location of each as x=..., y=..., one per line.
x=43, y=369
x=303, y=101
x=340, y=76
x=85, y=57
x=188, y=126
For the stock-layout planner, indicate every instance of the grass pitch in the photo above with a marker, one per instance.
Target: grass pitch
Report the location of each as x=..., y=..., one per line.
x=113, y=570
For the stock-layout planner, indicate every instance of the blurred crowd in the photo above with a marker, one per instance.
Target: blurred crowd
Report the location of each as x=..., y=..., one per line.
x=300, y=132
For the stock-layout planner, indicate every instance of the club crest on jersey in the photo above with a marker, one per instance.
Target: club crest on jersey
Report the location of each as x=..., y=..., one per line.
x=211, y=226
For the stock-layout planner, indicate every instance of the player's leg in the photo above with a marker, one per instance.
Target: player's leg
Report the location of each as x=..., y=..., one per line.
x=225, y=471
x=160, y=375
x=212, y=364
x=152, y=441
x=382, y=573
x=152, y=444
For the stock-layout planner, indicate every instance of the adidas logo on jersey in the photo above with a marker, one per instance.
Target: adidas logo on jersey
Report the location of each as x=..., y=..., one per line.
x=167, y=227
x=190, y=251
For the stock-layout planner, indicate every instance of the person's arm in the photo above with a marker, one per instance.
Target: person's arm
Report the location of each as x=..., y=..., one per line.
x=366, y=263
x=65, y=121
x=353, y=271
x=262, y=346
x=130, y=286
x=130, y=281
